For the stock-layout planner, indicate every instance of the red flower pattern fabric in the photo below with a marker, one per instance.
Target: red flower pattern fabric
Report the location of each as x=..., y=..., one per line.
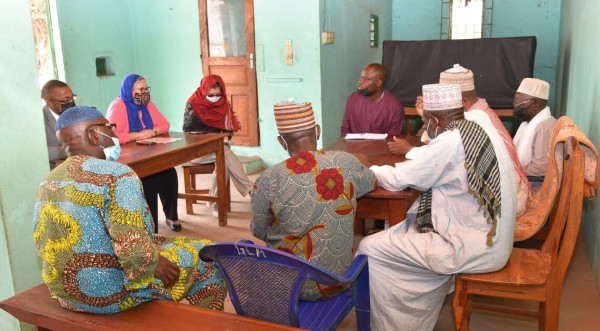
x=301, y=163
x=305, y=205
x=330, y=184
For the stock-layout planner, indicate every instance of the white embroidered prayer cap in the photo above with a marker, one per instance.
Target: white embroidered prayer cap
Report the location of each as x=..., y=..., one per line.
x=458, y=75
x=535, y=87
x=438, y=97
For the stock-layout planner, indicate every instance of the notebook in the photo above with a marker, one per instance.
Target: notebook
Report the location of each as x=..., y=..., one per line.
x=366, y=136
x=163, y=140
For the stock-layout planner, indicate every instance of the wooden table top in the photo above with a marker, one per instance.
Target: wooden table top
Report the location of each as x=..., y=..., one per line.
x=150, y=159
x=378, y=153
x=133, y=153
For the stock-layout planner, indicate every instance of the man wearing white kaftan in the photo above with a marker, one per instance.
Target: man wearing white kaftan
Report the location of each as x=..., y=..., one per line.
x=410, y=271
x=533, y=136
x=533, y=142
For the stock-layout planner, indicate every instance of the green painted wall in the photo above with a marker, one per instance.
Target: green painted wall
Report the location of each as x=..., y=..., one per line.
x=91, y=29
x=540, y=18
x=156, y=39
x=579, y=70
x=275, y=22
x=166, y=49
x=340, y=71
x=23, y=146
x=416, y=19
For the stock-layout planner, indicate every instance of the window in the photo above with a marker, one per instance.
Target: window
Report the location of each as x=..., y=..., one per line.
x=466, y=19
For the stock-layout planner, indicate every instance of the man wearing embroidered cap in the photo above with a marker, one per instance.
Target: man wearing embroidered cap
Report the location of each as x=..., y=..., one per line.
x=533, y=136
x=478, y=110
x=93, y=231
x=463, y=221
x=305, y=205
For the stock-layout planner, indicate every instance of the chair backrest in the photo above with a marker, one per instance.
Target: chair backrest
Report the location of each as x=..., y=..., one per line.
x=566, y=220
x=540, y=205
x=264, y=283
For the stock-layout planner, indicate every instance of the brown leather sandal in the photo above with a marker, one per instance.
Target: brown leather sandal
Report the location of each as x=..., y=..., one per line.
x=174, y=225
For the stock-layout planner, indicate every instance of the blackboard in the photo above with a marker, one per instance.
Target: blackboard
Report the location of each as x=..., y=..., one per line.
x=498, y=65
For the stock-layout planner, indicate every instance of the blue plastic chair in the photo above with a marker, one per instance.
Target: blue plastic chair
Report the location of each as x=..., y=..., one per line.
x=265, y=283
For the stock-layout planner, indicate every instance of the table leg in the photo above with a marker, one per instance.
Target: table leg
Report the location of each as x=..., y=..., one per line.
x=221, y=185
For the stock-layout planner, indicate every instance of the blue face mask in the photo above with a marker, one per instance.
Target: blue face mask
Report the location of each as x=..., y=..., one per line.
x=112, y=153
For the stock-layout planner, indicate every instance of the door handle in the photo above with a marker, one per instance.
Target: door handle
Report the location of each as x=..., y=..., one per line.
x=251, y=60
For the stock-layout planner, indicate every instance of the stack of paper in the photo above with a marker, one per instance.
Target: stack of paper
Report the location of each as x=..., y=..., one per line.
x=162, y=140
x=366, y=136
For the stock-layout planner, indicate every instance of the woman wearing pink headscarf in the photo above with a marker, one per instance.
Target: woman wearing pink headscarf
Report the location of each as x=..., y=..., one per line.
x=208, y=110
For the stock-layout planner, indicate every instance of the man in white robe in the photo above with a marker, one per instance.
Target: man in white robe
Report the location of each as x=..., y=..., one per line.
x=411, y=269
x=533, y=136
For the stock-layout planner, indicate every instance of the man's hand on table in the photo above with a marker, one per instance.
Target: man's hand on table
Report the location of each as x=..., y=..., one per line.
x=399, y=146
x=166, y=271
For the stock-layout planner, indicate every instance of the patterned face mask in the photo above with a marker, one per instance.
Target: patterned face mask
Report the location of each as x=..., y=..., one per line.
x=141, y=98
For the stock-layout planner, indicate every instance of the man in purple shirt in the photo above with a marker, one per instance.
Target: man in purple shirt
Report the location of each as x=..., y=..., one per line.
x=372, y=109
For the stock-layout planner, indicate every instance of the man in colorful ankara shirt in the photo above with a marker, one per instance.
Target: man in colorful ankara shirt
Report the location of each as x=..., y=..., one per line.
x=92, y=229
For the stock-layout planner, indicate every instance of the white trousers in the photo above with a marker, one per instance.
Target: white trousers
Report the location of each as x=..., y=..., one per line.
x=233, y=169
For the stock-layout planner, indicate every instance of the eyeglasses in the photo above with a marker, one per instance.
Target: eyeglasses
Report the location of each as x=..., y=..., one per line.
x=144, y=90
x=522, y=102
x=214, y=95
x=113, y=126
x=71, y=99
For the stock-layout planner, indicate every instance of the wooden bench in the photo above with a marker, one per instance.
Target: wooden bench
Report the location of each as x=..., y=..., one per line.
x=36, y=307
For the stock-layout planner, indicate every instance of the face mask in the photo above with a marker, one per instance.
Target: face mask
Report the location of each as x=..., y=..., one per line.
x=425, y=138
x=427, y=131
x=65, y=106
x=111, y=153
x=213, y=99
x=519, y=113
x=141, y=98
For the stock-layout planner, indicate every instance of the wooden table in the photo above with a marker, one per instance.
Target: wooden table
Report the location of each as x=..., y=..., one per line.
x=149, y=159
x=380, y=203
x=36, y=307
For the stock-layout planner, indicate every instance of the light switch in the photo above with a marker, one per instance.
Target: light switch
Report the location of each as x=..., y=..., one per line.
x=289, y=53
x=327, y=37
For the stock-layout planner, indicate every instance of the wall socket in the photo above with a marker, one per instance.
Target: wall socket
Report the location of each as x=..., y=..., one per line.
x=327, y=37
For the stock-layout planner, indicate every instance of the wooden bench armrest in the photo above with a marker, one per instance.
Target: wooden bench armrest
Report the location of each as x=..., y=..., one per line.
x=36, y=307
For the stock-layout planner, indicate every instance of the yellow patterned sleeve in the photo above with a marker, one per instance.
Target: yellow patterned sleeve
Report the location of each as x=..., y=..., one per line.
x=132, y=242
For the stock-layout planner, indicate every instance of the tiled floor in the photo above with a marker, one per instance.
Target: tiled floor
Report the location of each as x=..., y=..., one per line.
x=580, y=303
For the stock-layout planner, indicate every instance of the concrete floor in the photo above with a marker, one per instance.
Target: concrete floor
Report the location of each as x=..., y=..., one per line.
x=580, y=303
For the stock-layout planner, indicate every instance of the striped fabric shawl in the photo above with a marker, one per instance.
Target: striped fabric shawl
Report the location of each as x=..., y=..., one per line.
x=483, y=177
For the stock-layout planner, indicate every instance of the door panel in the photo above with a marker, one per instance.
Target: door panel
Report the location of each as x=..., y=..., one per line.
x=227, y=44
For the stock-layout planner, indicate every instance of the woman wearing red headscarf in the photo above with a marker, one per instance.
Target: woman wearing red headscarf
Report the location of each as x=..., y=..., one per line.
x=208, y=110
